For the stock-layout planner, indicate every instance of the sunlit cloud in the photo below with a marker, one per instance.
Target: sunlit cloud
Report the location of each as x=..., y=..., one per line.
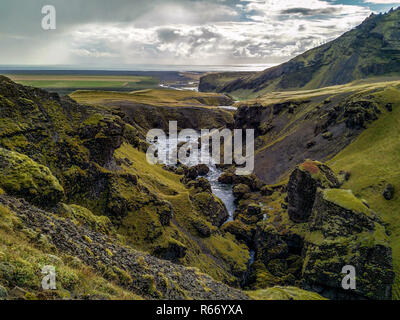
x=184, y=32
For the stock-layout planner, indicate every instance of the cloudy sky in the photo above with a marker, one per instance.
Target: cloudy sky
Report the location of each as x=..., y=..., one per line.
x=122, y=33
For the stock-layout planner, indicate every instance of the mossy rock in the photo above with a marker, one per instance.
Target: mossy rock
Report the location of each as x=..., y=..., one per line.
x=241, y=231
x=241, y=191
x=211, y=208
x=173, y=250
x=83, y=216
x=22, y=177
x=346, y=200
x=302, y=187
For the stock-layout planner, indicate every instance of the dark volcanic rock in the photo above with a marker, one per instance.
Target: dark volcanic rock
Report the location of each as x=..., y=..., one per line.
x=347, y=233
x=303, y=185
x=165, y=213
x=241, y=191
x=241, y=231
x=202, y=169
x=211, y=207
x=331, y=216
x=103, y=138
x=201, y=185
x=202, y=228
x=388, y=193
x=172, y=252
x=270, y=244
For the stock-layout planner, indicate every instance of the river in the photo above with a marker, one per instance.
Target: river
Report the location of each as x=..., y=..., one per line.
x=222, y=191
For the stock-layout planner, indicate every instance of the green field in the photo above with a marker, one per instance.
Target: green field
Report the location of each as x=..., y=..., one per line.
x=159, y=97
x=65, y=84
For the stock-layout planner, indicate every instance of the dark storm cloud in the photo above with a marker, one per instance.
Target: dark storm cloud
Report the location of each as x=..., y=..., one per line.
x=169, y=31
x=310, y=12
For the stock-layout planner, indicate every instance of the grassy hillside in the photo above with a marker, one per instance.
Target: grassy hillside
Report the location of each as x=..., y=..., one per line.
x=292, y=126
x=22, y=256
x=371, y=49
x=373, y=161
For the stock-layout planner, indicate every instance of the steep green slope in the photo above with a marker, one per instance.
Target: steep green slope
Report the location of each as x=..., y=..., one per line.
x=293, y=126
x=371, y=49
x=22, y=255
x=373, y=161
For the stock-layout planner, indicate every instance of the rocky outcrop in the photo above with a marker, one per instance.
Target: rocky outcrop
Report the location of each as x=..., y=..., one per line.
x=324, y=229
x=200, y=185
x=345, y=232
x=241, y=191
x=148, y=276
x=22, y=177
x=252, y=181
x=102, y=136
x=158, y=116
x=303, y=185
x=211, y=207
x=172, y=251
x=388, y=193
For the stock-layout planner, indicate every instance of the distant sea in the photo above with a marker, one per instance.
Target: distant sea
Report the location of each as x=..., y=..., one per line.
x=149, y=67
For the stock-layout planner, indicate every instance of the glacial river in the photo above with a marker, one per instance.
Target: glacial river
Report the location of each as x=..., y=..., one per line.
x=222, y=191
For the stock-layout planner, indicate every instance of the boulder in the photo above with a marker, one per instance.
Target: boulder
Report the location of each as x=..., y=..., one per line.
x=302, y=187
x=202, y=228
x=226, y=178
x=202, y=169
x=241, y=191
x=253, y=210
x=20, y=176
x=211, y=208
x=241, y=231
x=200, y=185
x=252, y=181
x=388, y=193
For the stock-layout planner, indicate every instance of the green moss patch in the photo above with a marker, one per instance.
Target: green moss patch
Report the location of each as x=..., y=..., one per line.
x=23, y=177
x=346, y=200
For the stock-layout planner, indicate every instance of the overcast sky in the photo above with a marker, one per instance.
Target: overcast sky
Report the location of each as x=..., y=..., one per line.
x=105, y=33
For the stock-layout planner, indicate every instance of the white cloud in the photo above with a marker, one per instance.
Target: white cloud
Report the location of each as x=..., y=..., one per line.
x=382, y=1
x=203, y=32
